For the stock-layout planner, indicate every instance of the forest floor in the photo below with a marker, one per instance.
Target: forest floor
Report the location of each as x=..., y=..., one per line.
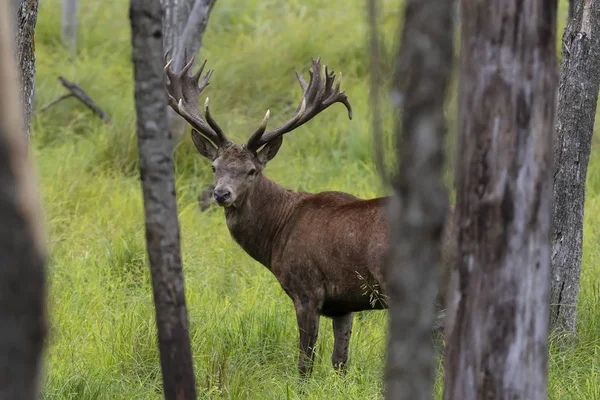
x=102, y=341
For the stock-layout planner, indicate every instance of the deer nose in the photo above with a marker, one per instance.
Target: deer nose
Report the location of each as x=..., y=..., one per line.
x=222, y=195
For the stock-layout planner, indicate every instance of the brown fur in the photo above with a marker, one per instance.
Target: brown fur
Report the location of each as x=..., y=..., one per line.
x=326, y=250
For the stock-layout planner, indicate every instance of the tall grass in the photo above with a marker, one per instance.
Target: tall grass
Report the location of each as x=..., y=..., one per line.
x=102, y=341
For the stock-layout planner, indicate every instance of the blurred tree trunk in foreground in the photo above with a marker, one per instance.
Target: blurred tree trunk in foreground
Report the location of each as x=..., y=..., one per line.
x=26, y=18
x=157, y=174
x=22, y=245
x=418, y=210
x=497, y=341
x=576, y=113
x=184, y=24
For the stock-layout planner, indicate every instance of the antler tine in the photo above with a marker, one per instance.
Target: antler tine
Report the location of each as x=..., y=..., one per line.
x=213, y=124
x=318, y=94
x=261, y=129
x=184, y=97
x=302, y=81
x=196, y=76
x=338, y=97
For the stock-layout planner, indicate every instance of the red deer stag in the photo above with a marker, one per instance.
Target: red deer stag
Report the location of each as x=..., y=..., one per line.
x=325, y=248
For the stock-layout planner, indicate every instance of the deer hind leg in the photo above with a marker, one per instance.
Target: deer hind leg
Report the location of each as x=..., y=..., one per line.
x=308, y=324
x=342, y=329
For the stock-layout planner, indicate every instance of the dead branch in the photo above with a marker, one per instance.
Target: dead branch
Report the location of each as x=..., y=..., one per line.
x=53, y=102
x=76, y=91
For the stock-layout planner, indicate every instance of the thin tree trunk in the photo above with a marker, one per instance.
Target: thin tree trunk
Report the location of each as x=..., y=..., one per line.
x=496, y=345
x=26, y=15
x=418, y=210
x=160, y=206
x=22, y=246
x=577, y=100
x=69, y=25
x=184, y=24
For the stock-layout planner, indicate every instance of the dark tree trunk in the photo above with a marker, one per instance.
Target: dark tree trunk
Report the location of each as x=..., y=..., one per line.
x=160, y=206
x=22, y=246
x=26, y=18
x=184, y=24
x=577, y=100
x=496, y=345
x=418, y=209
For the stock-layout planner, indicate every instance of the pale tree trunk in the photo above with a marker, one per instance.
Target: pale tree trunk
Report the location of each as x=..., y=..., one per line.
x=26, y=18
x=157, y=174
x=22, y=247
x=69, y=25
x=576, y=112
x=417, y=212
x=184, y=24
x=497, y=341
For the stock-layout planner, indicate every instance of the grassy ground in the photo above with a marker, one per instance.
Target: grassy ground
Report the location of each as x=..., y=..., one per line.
x=102, y=343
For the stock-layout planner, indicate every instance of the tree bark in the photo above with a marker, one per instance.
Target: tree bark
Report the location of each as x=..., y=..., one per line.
x=576, y=112
x=69, y=25
x=496, y=342
x=418, y=210
x=157, y=174
x=184, y=24
x=22, y=246
x=26, y=17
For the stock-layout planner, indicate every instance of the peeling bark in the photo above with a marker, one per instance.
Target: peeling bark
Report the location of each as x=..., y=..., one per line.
x=157, y=174
x=22, y=246
x=26, y=19
x=496, y=344
x=418, y=210
x=576, y=112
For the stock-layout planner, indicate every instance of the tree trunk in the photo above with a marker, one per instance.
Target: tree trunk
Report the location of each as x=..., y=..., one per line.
x=26, y=15
x=496, y=345
x=22, y=245
x=417, y=211
x=184, y=24
x=157, y=174
x=577, y=100
x=69, y=25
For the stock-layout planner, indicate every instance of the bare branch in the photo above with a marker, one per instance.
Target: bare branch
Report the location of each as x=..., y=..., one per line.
x=78, y=92
x=51, y=103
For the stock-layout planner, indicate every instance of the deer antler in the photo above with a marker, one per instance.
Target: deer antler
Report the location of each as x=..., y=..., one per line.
x=317, y=95
x=184, y=98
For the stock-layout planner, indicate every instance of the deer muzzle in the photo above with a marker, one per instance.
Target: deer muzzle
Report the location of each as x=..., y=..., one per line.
x=223, y=196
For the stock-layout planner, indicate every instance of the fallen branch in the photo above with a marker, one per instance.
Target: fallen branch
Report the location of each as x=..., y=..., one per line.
x=53, y=102
x=76, y=91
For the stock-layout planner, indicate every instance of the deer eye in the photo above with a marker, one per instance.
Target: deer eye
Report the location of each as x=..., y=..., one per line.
x=252, y=172
x=213, y=168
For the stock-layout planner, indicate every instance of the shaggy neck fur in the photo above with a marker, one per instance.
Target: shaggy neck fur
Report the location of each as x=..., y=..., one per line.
x=257, y=223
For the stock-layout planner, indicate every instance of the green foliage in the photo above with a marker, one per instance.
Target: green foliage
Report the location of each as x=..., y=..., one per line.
x=102, y=341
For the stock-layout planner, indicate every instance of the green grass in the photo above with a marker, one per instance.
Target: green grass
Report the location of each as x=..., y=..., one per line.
x=102, y=341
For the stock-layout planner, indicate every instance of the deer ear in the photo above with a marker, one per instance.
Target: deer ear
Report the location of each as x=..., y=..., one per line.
x=204, y=146
x=270, y=150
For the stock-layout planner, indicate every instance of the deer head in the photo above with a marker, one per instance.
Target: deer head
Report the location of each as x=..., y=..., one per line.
x=236, y=167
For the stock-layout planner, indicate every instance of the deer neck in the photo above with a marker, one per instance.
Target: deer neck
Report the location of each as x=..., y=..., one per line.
x=258, y=222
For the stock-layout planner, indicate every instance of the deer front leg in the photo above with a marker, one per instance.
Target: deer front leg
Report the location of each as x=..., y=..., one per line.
x=342, y=329
x=308, y=325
